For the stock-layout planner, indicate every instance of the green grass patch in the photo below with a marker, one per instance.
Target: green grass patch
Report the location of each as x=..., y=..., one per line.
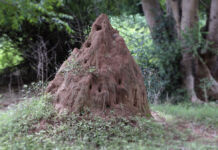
x=203, y=113
x=34, y=124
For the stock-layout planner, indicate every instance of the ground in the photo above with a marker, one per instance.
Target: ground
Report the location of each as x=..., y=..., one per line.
x=33, y=124
x=201, y=133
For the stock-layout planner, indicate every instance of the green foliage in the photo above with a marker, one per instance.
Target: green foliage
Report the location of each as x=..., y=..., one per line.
x=56, y=13
x=37, y=26
x=134, y=30
x=13, y=14
x=9, y=54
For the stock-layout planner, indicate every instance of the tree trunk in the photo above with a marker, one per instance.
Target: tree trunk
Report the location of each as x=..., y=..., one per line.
x=189, y=20
x=176, y=7
x=169, y=10
x=152, y=12
x=155, y=16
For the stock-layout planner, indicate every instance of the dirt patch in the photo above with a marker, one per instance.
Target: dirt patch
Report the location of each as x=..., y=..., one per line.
x=9, y=97
x=199, y=131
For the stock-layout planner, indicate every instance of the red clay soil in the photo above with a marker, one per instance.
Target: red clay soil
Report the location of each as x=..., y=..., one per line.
x=101, y=77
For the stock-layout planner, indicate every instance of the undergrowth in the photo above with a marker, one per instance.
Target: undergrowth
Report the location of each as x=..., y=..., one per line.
x=34, y=124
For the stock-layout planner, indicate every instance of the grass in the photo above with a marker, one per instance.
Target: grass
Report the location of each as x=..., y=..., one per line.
x=34, y=124
x=206, y=114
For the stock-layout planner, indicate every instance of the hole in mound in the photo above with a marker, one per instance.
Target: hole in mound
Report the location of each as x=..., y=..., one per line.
x=117, y=101
x=99, y=89
x=135, y=99
x=108, y=106
x=85, y=61
x=119, y=81
x=97, y=27
x=90, y=86
x=135, y=103
x=88, y=44
x=58, y=100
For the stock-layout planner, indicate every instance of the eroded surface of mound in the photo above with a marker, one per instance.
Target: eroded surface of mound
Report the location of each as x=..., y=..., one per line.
x=101, y=77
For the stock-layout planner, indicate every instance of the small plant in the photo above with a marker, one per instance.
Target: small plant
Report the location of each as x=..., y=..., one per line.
x=33, y=89
x=205, y=85
x=77, y=68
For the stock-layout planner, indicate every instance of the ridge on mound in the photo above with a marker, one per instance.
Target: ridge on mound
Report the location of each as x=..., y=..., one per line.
x=102, y=76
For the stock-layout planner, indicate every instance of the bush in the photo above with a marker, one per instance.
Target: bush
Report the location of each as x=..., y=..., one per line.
x=9, y=54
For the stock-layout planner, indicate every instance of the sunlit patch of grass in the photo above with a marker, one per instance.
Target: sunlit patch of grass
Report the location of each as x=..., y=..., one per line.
x=202, y=113
x=167, y=117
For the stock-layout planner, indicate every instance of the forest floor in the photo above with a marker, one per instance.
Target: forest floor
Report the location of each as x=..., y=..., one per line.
x=32, y=124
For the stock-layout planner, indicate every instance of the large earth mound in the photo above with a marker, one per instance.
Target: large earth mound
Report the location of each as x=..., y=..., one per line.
x=101, y=77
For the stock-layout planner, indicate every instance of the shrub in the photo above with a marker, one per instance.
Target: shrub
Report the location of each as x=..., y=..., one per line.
x=9, y=54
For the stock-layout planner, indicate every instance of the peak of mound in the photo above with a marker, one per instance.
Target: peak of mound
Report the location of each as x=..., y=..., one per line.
x=101, y=77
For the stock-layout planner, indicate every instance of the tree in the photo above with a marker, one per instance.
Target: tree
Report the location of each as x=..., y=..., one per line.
x=199, y=65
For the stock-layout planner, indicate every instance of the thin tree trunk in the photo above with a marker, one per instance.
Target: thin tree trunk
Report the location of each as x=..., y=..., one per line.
x=213, y=32
x=176, y=10
x=169, y=8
